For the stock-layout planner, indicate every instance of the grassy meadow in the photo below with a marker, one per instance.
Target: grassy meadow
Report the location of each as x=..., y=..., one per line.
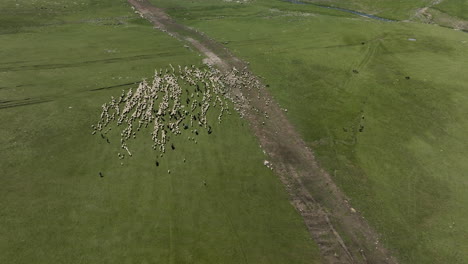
x=457, y=8
x=59, y=62
x=400, y=10
x=383, y=105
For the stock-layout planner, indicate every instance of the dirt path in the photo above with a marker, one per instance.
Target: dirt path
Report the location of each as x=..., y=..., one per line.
x=423, y=13
x=326, y=213
x=431, y=15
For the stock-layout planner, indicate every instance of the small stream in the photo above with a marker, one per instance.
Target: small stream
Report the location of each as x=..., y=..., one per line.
x=342, y=9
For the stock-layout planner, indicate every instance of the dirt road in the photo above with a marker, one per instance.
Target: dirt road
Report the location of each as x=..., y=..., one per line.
x=342, y=10
x=322, y=205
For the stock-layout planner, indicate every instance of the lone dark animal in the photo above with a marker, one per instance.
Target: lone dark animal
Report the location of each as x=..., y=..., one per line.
x=157, y=163
x=101, y=175
x=407, y=78
x=172, y=146
x=355, y=71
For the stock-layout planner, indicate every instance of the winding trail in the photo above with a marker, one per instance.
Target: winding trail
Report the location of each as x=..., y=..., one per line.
x=323, y=206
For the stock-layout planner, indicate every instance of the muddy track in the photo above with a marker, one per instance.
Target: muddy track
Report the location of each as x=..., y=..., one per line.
x=324, y=208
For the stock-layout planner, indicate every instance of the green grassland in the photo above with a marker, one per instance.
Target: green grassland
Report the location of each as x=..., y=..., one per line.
x=447, y=13
x=396, y=146
x=457, y=8
x=398, y=10
x=59, y=62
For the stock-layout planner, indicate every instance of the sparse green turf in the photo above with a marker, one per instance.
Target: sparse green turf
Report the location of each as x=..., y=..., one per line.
x=406, y=170
x=56, y=69
x=399, y=10
x=458, y=8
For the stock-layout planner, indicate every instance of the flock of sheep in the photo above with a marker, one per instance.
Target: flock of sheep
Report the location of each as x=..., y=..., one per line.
x=174, y=101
